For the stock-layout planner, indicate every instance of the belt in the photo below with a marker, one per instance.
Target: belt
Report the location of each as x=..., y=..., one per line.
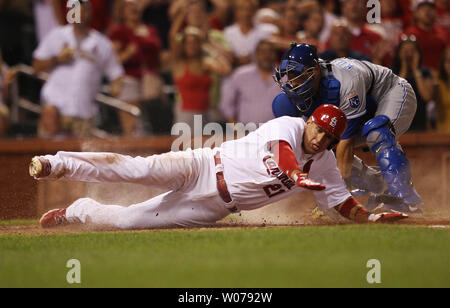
x=222, y=184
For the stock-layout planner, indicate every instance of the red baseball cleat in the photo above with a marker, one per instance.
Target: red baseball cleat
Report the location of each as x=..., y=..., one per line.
x=39, y=167
x=53, y=218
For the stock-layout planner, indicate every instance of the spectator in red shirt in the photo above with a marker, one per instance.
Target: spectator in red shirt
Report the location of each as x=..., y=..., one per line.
x=407, y=13
x=391, y=26
x=431, y=38
x=443, y=15
x=193, y=14
x=101, y=14
x=364, y=40
x=339, y=43
x=138, y=48
x=192, y=72
x=392, y=21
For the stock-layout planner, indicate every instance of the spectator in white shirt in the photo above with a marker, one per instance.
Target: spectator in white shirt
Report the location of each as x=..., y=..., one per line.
x=244, y=35
x=77, y=57
x=47, y=15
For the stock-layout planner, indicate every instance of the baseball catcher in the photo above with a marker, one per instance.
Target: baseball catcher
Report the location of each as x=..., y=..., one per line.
x=379, y=106
x=283, y=157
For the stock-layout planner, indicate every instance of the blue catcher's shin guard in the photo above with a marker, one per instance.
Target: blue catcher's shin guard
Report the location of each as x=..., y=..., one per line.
x=394, y=164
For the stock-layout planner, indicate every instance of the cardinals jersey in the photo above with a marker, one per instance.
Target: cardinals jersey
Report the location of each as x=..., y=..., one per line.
x=254, y=178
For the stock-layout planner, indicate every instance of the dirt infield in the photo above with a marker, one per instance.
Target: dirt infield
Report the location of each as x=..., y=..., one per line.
x=431, y=221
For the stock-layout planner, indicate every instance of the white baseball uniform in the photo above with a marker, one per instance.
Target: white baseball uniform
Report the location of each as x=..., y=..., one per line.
x=253, y=179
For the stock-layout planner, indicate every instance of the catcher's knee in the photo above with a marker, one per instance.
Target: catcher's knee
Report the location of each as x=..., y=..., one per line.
x=379, y=133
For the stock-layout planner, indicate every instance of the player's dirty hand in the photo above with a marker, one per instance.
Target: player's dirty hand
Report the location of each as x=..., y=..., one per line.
x=387, y=217
x=302, y=180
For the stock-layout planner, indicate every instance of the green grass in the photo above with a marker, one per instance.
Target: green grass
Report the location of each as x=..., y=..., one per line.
x=18, y=222
x=267, y=257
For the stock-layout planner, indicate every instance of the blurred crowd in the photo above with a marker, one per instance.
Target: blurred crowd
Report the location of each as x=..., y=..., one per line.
x=176, y=59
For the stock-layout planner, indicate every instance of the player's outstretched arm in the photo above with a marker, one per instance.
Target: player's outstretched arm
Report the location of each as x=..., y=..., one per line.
x=287, y=162
x=353, y=210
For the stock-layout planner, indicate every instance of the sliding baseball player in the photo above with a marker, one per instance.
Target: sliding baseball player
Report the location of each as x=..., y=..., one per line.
x=283, y=157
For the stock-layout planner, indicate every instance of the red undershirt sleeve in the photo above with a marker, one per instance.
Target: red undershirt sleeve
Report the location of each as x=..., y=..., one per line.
x=285, y=157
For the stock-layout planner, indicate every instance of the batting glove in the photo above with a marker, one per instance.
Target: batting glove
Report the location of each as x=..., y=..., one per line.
x=302, y=180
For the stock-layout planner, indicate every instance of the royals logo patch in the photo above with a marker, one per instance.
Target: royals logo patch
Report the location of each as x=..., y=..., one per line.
x=354, y=101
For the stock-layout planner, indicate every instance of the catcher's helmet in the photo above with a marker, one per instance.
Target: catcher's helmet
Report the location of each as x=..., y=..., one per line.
x=332, y=120
x=297, y=64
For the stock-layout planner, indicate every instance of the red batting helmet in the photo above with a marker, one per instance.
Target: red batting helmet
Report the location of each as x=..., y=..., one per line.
x=332, y=119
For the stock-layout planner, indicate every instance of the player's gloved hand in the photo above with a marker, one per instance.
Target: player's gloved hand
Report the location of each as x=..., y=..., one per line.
x=386, y=217
x=302, y=180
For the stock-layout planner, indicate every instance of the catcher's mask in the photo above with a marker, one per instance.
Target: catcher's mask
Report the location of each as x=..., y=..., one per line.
x=296, y=75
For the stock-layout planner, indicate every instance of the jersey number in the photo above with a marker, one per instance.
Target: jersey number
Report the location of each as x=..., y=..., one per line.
x=273, y=190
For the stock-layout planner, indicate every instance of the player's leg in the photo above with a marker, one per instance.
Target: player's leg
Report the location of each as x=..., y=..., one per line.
x=168, y=171
x=399, y=105
x=366, y=179
x=171, y=209
x=393, y=118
